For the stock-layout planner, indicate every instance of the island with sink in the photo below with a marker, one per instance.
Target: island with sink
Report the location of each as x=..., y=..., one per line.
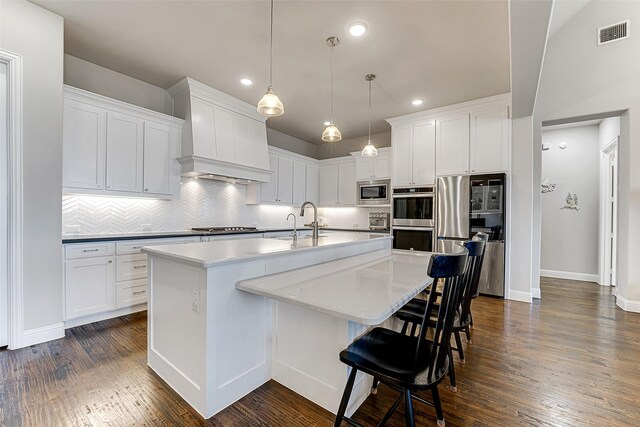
x=224, y=317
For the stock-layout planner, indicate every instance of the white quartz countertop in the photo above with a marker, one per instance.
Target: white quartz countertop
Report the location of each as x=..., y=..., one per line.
x=208, y=254
x=366, y=293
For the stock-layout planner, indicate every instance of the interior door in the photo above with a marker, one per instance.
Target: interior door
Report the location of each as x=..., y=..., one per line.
x=4, y=291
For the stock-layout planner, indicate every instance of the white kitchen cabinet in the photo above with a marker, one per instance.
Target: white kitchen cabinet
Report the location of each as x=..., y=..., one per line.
x=299, y=183
x=452, y=145
x=129, y=267
x=160, y=152
x=290, y=180
x=124, y=152
x=132, y=293
x=89, y=286
x=489, y=144
x=414, y=153
x=312, y=192
x=84, y=148
x=377, y=167
x=338, y=182
x=114, y=148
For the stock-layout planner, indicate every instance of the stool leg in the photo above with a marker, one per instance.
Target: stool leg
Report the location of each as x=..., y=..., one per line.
x=413, y=329
x=438, y=406
x=374, y=387
x=345, y=397
x=404, y=328
x=452, y=373
x=467, y=331
x=459, y=345
x=408, y=408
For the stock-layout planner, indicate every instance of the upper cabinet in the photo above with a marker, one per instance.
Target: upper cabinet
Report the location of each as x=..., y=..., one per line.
x=414, y=153
x=469, y=138
x=110, y=147
x=223, y=136
x=338, y=182
x=294, y=179
x=377, y=167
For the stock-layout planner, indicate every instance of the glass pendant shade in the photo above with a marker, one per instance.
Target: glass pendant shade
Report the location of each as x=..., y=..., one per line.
x=331, y=134
x=270, y=105
x=369, y=150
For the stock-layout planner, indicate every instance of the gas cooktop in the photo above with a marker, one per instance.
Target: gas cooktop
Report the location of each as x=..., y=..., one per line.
x=223, y=230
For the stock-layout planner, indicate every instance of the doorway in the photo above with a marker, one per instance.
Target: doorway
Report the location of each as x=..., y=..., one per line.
x=4, y=198
x=609, y=203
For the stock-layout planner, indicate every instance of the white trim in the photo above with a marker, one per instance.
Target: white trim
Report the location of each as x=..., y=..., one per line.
x=463, y=107
x=628, y=305
x=14, y=218
x=570, y=275
x=104, y=316
x=521, y=296
x=43, y=334
x=282, y=152
x=535, y=293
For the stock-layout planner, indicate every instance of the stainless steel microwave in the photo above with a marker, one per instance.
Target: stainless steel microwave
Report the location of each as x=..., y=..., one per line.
x=373, y=192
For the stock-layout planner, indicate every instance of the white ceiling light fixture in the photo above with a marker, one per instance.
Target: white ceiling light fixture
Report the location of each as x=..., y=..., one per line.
x=358, y=28
x=417, y=102
x=331, y=132
x=369, y=150
x=270, y=105
x=246, y=82
x=327, y=123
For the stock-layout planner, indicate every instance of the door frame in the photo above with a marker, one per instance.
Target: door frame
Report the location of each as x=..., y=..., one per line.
x=607, y=222
x=14, y=215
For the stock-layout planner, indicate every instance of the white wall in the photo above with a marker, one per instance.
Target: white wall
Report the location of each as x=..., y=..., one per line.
x=608, y=129
x=581, y=79
x=37, y=35
x=346, y=146
x=290, y=143
x=570, y=238
x=94, y=78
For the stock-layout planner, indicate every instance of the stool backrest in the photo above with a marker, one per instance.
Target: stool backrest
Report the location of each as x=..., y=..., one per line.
x=450, y=268
x=484, y=237
x=471, y=277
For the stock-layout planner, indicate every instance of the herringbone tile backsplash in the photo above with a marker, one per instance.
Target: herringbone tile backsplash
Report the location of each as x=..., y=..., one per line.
x=201, y=203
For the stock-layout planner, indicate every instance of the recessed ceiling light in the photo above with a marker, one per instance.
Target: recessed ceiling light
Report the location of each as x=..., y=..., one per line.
x=417, y=102
x=246, y=82
x=357, y=29
x=327, y=123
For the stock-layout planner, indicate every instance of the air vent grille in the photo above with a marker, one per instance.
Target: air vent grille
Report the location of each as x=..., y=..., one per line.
x=615, y=32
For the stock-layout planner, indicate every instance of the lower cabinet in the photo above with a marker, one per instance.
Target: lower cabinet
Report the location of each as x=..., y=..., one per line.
x=104, y=279
x=89, y=286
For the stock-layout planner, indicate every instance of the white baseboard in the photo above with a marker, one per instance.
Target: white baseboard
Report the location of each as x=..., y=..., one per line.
x=556, y=274
x=521, y=296
x=104, y=316
x=535, y=293
x=43, y=334
x=628, y=305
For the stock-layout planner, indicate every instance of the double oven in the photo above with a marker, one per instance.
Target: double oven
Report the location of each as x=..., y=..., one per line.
x=414, y=218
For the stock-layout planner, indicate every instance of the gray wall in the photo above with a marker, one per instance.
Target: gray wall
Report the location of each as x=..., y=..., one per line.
x=37, y=35
x=346, y=146
x=290, y=143
x=94, y=78
x=569, y=237
x=579, y=79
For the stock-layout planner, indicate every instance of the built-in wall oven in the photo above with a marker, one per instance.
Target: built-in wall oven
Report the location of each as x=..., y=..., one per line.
x=414, y=218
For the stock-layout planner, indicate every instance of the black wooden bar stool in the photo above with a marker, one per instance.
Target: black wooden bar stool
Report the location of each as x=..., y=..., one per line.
x=409, y=363
x=485, y=238
x=411, y=313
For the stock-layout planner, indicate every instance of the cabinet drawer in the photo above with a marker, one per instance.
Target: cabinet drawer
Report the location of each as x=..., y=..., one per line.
x=132, y=293
x=129, y=267
x=133, y=247
x=88, y=250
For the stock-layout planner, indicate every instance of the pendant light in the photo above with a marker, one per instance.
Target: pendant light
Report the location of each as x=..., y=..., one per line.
x=331, y=133
x=270, y=105
x=369, y=150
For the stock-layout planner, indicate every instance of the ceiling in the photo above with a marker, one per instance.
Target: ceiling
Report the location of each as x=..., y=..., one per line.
x=444, y=52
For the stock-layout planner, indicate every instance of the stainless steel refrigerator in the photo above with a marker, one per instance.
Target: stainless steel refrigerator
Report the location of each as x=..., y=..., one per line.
x=467, y=205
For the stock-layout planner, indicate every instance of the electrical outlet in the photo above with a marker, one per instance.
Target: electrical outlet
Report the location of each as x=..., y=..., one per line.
x=145, y=227
x=195, y=305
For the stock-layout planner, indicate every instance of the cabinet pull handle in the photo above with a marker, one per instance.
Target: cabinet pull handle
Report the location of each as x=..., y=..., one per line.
x=90, y=250
x=135, y=267
x=137, y=247
x=139, y=292
x=146, y=189
x=110, y=261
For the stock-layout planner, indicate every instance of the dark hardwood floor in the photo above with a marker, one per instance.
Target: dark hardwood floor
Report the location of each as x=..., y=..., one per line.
x=570, y=359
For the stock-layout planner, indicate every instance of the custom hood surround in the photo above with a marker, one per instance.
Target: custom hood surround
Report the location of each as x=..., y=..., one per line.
x=223, y=138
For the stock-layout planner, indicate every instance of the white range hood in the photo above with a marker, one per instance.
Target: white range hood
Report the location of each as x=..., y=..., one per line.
x=223, y=138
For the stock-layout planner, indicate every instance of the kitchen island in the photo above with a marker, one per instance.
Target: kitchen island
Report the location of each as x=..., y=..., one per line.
x=225, y=317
